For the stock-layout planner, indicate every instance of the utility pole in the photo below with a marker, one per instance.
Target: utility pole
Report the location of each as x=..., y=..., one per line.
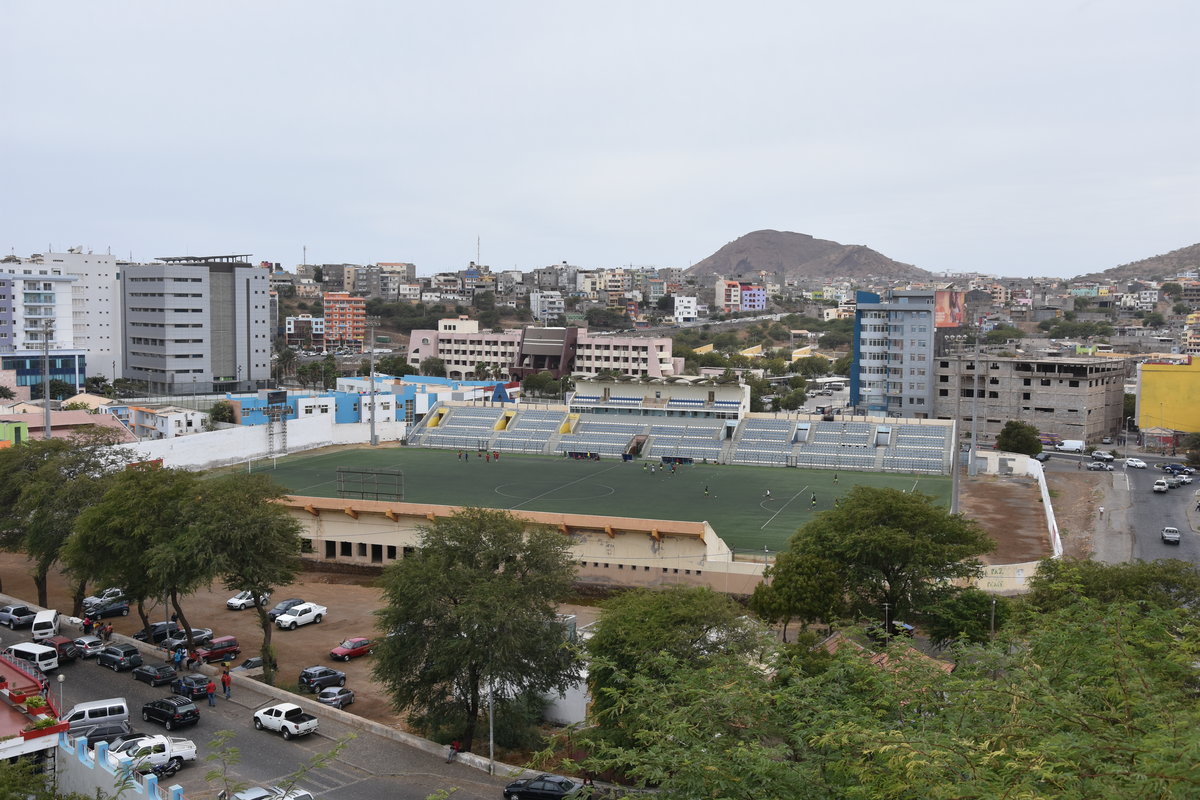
x=972, y=468
x=371, y=323
x=47, y=332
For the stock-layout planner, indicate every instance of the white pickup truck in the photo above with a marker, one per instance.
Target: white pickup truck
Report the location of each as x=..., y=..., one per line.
x=287, y=718
x=300, y=615
x=153, y=751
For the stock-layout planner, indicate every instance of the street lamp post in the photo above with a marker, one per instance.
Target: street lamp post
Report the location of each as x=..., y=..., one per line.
x=61, y=679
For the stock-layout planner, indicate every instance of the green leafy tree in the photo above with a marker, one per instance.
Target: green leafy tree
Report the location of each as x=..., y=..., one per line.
x=843, y=365
x=812, y=366
x=690, y=624
x=396, y=365
x=1002, y=333
x=45, y=485
x=433, y=367
x=255, y=543
x=1179, y=309
x=1172, y=289
x=285, y=362
x=1061, y=582
x=1019, y=437
x=792, y=400
x=311, y=375
x=964, y=614
x=891, y=547
x=329, y=371
x=221, y=411
x=1191, y=447
x=1153, y=320
x=474, y=607
x=7, y=393
x=59, y=390
x=803, y=587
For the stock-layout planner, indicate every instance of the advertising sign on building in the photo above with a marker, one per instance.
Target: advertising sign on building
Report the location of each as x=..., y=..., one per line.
x=949, y=309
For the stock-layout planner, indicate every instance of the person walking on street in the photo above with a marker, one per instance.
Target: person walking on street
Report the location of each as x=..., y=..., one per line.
x=211, y=689
x=227, y=683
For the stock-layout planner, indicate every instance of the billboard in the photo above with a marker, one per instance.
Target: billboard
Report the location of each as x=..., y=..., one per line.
x=948, y=309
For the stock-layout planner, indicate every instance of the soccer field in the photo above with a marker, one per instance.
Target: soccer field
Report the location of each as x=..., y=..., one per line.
x=735, y=503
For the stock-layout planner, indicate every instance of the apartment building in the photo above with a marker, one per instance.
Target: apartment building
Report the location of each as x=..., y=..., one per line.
x=36, y=310
x=345, y=320
x=685, y=309
x=893, y=353
x=305, y=332
x=1074, y=397
x=197, y=323
x=96, y=313
x=728, y=296
x=462, y=346
x=546, y=306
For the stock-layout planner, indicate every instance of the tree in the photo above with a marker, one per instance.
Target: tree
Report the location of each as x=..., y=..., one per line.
x=964, y=614
x=221, y=411
x=7, y=393
x=285, y=363
x=59, y=390
x=318, y=275
x=395, y=365
x=329, y=371
x=892, y=548
x=1002, y=333
x=311, y=375
x=834, y=340
x=474, y=607
x=1061, y=582
x=1191, y=445
x=689, y=624
x=45, y=484
x=1019, y=437
x=1172, y=289
x=811, y=367
x=792, y=400
x=433, y=367
x=1153, y=320
x=843, y=365
x=255, y=543
x=807, y=588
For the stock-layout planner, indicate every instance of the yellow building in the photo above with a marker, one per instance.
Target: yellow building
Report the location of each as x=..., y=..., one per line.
x=1169, y=395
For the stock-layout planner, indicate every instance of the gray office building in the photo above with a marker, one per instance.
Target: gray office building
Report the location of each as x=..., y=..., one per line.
x=893, y=371
x=197, y=324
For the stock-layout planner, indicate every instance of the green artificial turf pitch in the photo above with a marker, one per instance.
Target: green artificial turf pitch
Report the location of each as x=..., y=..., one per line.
x=736, y=504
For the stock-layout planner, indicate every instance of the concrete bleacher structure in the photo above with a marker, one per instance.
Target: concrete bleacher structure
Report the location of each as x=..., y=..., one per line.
x=614, y=423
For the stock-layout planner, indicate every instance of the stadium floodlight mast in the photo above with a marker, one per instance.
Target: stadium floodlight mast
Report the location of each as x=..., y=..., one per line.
x=371, y=323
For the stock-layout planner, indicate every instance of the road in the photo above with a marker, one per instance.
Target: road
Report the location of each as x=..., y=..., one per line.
x=369, y=767
x=1135, y=515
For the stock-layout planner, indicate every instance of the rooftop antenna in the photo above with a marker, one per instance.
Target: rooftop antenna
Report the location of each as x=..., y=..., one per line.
x=477, y=259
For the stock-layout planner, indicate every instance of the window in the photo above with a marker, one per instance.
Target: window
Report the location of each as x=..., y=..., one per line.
x=345, y=548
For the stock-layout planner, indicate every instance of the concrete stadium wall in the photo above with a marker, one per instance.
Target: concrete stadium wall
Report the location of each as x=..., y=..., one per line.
x=242, y=443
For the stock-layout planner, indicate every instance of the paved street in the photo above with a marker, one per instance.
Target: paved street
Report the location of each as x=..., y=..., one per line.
x=1134, y=515
x=370, y=767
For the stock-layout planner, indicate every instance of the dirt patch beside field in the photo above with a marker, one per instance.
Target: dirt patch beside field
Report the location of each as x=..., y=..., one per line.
x=1010, y=509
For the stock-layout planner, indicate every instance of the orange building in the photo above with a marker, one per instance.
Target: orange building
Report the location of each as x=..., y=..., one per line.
x=345, y=320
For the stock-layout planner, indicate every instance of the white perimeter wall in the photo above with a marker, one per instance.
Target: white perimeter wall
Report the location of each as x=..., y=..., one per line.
x=244, y=442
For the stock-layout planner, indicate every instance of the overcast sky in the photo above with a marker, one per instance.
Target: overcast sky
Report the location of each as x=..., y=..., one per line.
x=1049, y=138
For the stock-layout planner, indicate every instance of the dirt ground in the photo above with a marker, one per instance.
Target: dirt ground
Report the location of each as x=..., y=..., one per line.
x=1010, y=509
x=1076, y=499
x=350, y=599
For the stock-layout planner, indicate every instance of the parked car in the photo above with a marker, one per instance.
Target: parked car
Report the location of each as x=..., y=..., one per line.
x=252, y=663
x=158, y=631
x=153, y=751
x=171, y=712
x=283, y=606
x=200, y=637
x=108, y=608
x=222, y=648
x=351, y=648
x=17, y=616
x=194, y=686
x=154, y=674
x=336, y=696
x=287, y=718
x=103, y=596
x=266, y=793
x=314, y=678
x=243, y=600
x=107, y=732
x=1042, y=457
x=89, y=645
x=65, y=645
x=1102, y=455
x=119, y=657
x=1100, y=465
x=1170, y=535
x=1135, y=463
x=299, y=615
x=543, y=787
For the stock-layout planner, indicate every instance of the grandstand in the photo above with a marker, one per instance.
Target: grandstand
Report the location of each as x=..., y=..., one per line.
x=614, y=418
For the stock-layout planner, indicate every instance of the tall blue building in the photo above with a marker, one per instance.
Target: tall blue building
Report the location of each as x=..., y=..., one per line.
x=894, y=370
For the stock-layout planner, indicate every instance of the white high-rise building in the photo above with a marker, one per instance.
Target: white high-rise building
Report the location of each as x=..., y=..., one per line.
x=95, y=307
x=36, y=308
x=197, y=324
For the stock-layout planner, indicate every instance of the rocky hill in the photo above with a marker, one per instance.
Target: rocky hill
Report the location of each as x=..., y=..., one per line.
x=802, y=258
x=1167, y=265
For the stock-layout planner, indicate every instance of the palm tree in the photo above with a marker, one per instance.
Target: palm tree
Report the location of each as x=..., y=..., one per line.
x=286, y=362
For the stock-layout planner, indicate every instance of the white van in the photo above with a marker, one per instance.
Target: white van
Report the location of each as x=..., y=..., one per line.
x=97, y=712
x=45, y=625
x=43, y=657
x=1070, y=446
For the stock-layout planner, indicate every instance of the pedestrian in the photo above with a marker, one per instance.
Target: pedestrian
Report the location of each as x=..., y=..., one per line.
x=488, y=458
x=453, y=752
x=211, y=689
x=835, y=479
x=1079, y=464
x=87, y=625
x=768, y=494
x=227, y=683
x=645, y=466
x=706, y=490
x=460, y=455
x=178, y=658
x=495, y=455
x=108, y=632
x=1102, y=511
x=814, y=501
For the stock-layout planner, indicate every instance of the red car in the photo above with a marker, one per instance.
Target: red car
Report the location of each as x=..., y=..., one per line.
x=351, y=648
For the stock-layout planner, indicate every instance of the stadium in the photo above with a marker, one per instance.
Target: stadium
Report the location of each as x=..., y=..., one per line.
x=667, y=479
